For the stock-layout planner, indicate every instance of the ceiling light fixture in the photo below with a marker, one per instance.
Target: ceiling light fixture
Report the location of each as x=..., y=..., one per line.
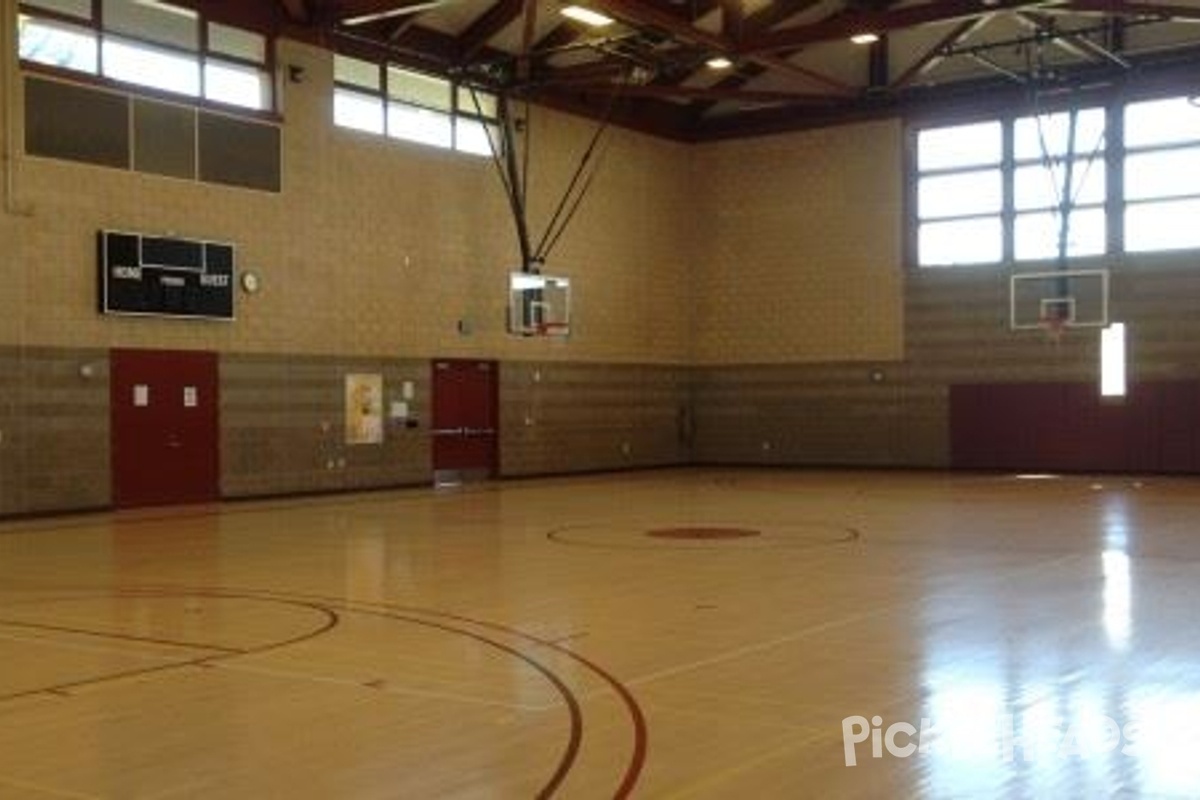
x=588, y=17
x=865, y=38
x=719, y=62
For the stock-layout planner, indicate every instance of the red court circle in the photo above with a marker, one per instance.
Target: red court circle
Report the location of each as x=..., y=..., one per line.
x=702, y=533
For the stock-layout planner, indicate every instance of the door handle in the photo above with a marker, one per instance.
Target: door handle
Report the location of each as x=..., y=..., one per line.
x=449, y=431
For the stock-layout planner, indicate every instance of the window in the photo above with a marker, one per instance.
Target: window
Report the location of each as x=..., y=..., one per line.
x=475, y=123
x=81, y=9
x=58, y=44
x=154, y=67
x=997, y=191
x=1044, y=158
x=149, y=44
x=993, y=187
x=358, y=95
x=419, y=108
x=960, y=194
x=402, y=104
x=235, y=68
x=1162, y=175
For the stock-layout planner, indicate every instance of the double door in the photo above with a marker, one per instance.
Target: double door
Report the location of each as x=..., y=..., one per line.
x=165, y=427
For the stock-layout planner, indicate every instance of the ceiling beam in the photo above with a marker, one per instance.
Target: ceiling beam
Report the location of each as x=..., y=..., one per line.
x=354, y=10
x=401, y=27
x=774, y=14
x=879, y=70
x=936, y=54
x=756, y=23
x=561, y=35
x=1044, y=24
x=296, y=10
x=566, y=34
x=605, y=70
x=804, y=73
x=636, y=12
x=843, y=26
x=491, y=22
x=639, y=13
x=1130, y=8
x=714, y=93
x=733, y=19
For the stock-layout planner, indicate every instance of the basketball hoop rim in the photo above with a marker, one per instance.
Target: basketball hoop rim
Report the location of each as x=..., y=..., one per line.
x=1054, y=327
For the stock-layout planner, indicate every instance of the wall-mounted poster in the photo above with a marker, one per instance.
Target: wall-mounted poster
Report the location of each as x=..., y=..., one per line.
x=364, y=408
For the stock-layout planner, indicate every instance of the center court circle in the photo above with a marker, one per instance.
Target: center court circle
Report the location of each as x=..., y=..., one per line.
x=702, y=532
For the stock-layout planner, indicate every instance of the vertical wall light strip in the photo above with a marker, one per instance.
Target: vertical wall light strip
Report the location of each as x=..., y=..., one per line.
x=1112, y=360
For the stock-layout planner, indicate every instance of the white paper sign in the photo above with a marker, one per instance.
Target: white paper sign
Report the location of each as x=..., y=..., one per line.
x=190, y=398
x=141, y=395
x=399, y=410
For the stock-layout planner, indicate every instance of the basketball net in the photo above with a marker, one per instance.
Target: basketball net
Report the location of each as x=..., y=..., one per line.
x=1054, y=326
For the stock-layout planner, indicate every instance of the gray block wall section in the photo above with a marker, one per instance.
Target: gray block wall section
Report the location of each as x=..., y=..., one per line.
x=282, y=424
x=559, y=418
x=956, y=331
x=282, y=415
x=54, y=430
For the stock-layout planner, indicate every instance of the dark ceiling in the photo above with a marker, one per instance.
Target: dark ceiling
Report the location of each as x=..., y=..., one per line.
x=793, y=64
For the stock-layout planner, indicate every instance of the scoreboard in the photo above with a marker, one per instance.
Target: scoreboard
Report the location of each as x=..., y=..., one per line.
x=165, y=276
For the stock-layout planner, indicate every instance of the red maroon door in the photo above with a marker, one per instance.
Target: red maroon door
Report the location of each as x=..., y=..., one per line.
x=164, y=427
x=465, y=400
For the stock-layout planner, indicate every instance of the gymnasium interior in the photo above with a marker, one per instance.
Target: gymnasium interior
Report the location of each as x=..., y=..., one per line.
x=622, y=398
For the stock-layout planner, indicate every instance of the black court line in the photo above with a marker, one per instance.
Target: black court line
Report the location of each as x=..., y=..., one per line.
x=768, y=541
x=331, y=622
x=562, y=767
x=128, y=637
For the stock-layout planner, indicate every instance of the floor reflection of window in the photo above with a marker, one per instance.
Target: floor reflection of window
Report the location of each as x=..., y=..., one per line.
x=1117, y=598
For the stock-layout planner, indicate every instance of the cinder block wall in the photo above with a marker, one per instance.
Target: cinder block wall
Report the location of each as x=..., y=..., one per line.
x=373, y=247
x=282, y=426
x=54, y=423
x=559, y=418
x=370, y=256
x=738, y=302
x=851, y=355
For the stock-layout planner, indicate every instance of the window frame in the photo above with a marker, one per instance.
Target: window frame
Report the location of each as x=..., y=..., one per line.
x=202, y=55
x=386, y=99
x=1111, y=157
x=1167, y=199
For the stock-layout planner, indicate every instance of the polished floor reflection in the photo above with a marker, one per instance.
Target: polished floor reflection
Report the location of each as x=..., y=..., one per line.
x=689, y=633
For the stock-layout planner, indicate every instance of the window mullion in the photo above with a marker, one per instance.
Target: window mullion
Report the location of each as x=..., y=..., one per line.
x=1114, y=161
x=1008, y=204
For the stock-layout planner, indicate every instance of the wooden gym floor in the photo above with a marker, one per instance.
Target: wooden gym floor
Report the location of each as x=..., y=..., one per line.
x=693, y=633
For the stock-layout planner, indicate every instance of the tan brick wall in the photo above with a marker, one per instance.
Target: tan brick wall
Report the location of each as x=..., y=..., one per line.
x=374, y=246
x=800, y=247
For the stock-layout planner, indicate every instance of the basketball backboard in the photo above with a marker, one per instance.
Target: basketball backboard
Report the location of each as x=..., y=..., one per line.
x=1066, y=298
x=539, y=305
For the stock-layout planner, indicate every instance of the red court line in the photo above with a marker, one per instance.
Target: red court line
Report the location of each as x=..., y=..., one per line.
x=637, y=758
x=569, y=756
